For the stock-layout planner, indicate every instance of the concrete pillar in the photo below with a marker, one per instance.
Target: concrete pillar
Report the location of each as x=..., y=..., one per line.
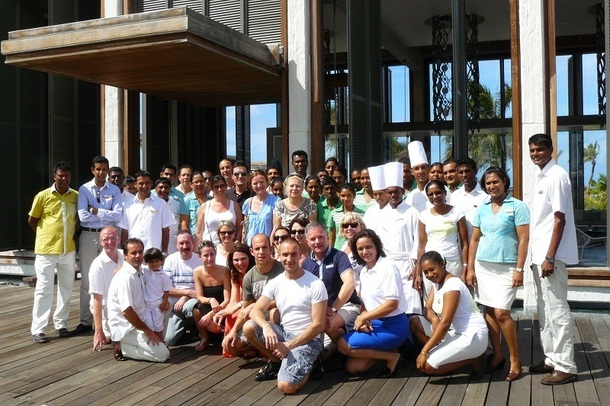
x=299, y=74
x=534, y=104
x=113, y=104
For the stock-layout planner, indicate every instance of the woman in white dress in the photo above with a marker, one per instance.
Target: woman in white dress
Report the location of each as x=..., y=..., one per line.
x=498, y=248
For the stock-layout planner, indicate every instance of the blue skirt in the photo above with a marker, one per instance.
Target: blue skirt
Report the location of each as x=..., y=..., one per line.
x=388, y=333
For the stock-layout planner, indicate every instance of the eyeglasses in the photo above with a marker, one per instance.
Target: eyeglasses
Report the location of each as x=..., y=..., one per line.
x=240, y=174
x=300, y=232
x=280, y=237
x=350, y=225
x=219, y=187
x=226, y=232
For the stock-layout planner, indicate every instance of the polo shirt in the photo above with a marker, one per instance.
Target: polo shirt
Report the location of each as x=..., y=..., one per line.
x=57, y=216
x=146, y=220
x=499, y=241
x=552, y=193
x=329, y=270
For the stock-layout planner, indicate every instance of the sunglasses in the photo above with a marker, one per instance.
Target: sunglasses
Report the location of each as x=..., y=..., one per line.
x=300, y=232
x=280, y=237
x=240, y=174
x=350, y=225
x=226, y=232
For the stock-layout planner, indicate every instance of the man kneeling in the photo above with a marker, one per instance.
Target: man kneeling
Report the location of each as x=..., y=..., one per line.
x=292, y=346
x=131, y=336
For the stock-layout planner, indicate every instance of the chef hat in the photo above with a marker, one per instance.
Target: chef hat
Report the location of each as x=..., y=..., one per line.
x=392, y=172
x=417, y=154
x=377, y=177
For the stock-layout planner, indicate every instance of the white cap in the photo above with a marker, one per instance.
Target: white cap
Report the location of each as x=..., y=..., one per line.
x=417, y=154
x=377, y=177
x=392, y=172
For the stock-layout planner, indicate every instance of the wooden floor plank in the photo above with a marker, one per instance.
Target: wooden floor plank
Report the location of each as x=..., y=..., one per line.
x=67, y=371
x=597, y=362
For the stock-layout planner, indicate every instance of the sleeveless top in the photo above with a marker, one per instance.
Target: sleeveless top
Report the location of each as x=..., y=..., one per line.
x=213, y=218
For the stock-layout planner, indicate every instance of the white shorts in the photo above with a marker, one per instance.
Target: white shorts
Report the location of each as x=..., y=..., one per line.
x=348, y=313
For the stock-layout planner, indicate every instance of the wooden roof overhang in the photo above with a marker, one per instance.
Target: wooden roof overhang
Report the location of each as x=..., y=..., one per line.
x=176, y=54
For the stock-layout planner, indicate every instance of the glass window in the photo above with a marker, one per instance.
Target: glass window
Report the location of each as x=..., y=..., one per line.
x=589, y=84
x=399, y=94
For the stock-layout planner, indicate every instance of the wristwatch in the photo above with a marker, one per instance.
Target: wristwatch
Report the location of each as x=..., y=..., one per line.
x=550, y=259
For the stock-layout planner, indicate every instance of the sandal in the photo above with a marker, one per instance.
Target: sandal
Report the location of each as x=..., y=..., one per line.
x=118, y=354
x=250, y=354
x=200, y=346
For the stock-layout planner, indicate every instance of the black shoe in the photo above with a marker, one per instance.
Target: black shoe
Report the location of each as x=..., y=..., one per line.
x=541, y=368
x=80, y=329
x=40, y=338
x=268, y=371
x=317, y=372
x=63, y=332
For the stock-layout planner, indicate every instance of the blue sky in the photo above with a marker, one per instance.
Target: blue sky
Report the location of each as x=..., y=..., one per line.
x=263, y=116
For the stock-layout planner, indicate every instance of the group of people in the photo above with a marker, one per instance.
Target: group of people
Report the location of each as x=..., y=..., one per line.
x=393, y=262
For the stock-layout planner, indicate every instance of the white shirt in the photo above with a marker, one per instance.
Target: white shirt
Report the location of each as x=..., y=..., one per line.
x=157, y=283
x=174, y=208
x=398, y=230
x=294, y=299
x=181, y=271
x=146, y=220
x=468, y=203
x=101, y=273
x=552, y=193
x=126, y=290
x=380, y=283
x=373, y=217
x=417, y=199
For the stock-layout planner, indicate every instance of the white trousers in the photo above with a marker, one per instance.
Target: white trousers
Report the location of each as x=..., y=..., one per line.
x=555, y=317
x=45, y=266
x=88, y=249
x=135, y=346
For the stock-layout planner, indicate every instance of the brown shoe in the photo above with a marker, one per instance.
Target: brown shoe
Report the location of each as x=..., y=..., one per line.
x=559, y=378
x=541, y=368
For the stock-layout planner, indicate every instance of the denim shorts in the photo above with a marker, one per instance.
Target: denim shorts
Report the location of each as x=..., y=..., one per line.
x=299, y=362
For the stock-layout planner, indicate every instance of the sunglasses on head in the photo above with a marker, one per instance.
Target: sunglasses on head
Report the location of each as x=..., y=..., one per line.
x=350, y=225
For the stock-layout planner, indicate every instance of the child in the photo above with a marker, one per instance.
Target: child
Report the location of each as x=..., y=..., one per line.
x=156, y=292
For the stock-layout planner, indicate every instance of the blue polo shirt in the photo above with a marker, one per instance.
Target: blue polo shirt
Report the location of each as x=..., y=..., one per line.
x=499, y=242
x=332, y=266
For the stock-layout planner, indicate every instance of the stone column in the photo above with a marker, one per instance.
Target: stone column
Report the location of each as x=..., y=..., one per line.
x=113, y=104
x=299, y=73
x=535, y=103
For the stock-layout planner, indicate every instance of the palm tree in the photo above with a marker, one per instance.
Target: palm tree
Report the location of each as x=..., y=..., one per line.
x=487, y=149
x=590, y=153
x=596, y=197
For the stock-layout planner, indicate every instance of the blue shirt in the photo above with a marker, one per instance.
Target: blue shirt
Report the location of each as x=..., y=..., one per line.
x=261, y=221
x=331, y=267
x=499, y=242
x=107, y=200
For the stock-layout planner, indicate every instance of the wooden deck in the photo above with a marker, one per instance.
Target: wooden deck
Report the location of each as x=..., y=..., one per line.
x=66, y=371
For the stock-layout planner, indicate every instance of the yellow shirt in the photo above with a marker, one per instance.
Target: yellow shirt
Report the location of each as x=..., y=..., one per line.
x=57, y=216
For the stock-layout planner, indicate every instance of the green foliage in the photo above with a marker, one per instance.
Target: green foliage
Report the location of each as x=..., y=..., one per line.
x=595, y=194
x=492, y=148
